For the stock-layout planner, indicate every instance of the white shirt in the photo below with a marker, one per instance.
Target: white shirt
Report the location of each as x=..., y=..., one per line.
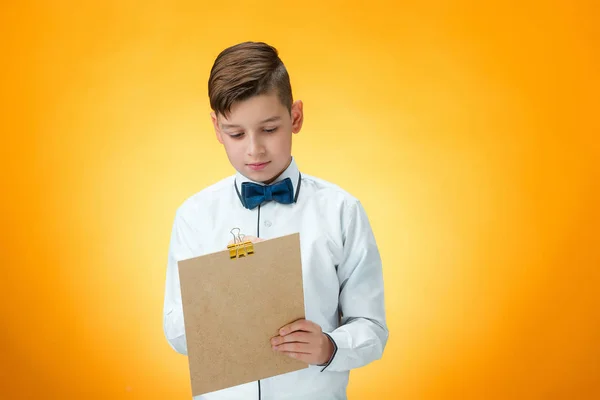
x=341, y=267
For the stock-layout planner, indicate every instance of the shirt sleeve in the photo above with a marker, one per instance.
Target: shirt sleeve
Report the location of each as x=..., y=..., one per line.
x=363, y=333
x=173, y=326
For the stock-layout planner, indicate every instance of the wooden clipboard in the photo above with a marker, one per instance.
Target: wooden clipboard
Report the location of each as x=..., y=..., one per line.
x=234, y=301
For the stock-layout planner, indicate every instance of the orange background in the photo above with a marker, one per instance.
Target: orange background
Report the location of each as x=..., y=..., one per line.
x=468, y=129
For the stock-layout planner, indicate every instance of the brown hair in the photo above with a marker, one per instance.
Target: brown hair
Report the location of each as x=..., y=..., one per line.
x=245, y=70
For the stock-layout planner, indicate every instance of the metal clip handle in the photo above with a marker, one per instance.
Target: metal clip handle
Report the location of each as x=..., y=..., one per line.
x=240, y=247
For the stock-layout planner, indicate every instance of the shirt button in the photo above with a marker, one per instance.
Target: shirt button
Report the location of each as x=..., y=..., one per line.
x=268, y=223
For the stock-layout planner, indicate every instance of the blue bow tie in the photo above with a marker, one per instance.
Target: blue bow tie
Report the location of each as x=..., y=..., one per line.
x=254, y=194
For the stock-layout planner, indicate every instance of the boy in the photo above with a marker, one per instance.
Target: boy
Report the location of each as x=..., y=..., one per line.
x=254, y=117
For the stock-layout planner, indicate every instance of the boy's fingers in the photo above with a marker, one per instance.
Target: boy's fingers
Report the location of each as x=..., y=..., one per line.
x=294, y=347
x=300, y=325
x=302, y=337
x=300, y=356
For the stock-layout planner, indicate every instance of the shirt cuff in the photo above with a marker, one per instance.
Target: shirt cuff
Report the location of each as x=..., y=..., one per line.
x=335, y=348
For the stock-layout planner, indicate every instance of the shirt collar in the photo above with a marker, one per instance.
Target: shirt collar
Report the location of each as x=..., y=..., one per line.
x=291, y=172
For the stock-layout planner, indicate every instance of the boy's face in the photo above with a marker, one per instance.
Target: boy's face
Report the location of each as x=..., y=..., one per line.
x=257, y=136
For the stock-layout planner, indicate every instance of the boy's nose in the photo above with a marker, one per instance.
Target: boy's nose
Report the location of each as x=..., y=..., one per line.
x=255, y=146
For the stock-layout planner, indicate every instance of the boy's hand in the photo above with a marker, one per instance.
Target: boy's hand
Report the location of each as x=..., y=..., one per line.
x=305, y=341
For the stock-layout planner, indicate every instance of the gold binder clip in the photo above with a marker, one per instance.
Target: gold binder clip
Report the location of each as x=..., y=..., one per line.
x=240, y=247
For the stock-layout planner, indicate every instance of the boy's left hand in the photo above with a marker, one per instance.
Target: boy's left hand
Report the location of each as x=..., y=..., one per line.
x=305, y=341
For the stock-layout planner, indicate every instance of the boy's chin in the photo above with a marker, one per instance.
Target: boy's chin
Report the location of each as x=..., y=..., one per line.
x=260, y=176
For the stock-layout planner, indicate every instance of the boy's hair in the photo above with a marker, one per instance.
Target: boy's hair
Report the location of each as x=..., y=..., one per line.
x=245, y=70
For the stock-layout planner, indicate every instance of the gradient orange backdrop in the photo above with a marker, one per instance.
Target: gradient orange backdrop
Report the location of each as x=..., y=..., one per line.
x=468, y=129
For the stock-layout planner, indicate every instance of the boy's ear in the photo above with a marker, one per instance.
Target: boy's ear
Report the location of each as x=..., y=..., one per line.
x=297, y=116
x=215, y=122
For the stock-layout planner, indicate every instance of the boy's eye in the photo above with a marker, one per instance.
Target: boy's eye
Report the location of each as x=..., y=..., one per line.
x=271, y=130
x=237, y=135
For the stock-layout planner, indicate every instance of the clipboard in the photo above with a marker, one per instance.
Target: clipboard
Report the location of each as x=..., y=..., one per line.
x=234, y=301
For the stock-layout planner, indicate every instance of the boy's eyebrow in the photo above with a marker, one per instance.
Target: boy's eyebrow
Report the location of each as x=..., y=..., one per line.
x=270, y=119
x=227, y=126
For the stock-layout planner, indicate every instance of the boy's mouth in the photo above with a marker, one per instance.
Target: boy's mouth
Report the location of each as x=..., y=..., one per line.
x=258, y=166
